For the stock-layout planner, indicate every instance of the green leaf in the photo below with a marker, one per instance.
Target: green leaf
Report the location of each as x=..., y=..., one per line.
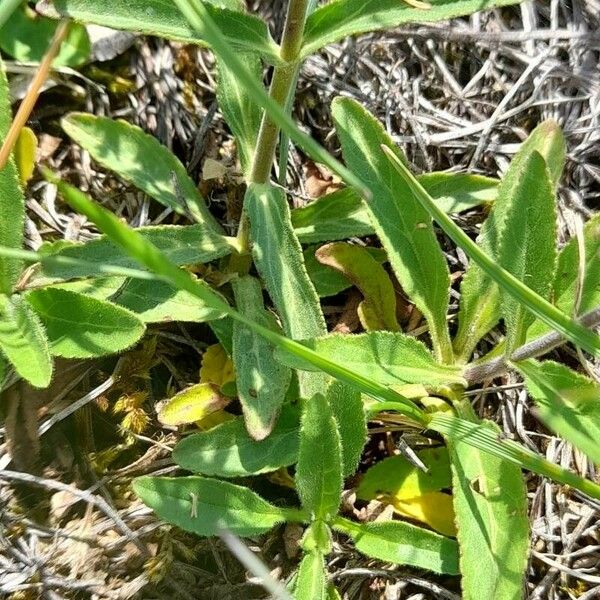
x=336, y=216
x=187, y=245
x=531, y=227
x=23, y=341
x=341, y=18
x=159, y=302
x=142, y=160
x=157, y=17
x=311, y=581
x=100, y=287
x=192, y=404
x=569, y=328
x=490, y=504
x=155, y=261
x=80, y=326
x=568, y=403
x=484, y=437
x=404, y=544
x=241, y=113
x=262, y=382
x=12, y=201
x=319, y=468
x=342, y=214
x=348, y=411
x=414, y=493
x=567, y=277
x=26, y=37
x=385, y=357
x=457, y=192
x=278, y=258
x=205, y=506
x=327, y=282
x=402, y=224
x=378, y=309
x=228, y=451
x=480, y=296
x=223, y=330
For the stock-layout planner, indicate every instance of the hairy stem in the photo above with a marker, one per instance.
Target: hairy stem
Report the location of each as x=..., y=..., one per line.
x=283, y=80
x=476, y=373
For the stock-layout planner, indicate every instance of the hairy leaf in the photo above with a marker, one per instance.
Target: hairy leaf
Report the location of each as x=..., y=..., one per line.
x=378, y=309
x=99, y=287
x=187, y=245
x=341, y=18
x=311, y=581
x=192, y=404
x=155, y=261
x=12, y=201
x=241, y=113
x=348, y=411
x=402, y=224
x=319, y=469
x=336, y=216
x=480, y=296
x=26, y=37
x=342, y=214
x=404, y=544
x=566, y=281
x=530, y=227
x=159, y=17
x=458, y=192
x=262, y=381
x=385, y=357
x=541, y=308
x=23, y=341
x=493, y=528
x=228, y=451
x=79, y=326
x=567, y=402
x=141, y=160
x=159, y=302
x=205, y=506
x=484, y=437
x=278, y=258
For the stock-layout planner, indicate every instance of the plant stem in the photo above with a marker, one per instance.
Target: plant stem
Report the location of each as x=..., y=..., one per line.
x=284, y=77
x=476, y=373
x=33, y=92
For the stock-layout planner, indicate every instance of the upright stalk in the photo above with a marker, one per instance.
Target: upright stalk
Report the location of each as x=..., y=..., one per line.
x=281, y=84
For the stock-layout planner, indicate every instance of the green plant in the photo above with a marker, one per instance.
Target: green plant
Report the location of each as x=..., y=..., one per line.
x=294, y=413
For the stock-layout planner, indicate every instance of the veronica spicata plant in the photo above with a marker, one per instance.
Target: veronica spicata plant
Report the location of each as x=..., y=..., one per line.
x=306, y=395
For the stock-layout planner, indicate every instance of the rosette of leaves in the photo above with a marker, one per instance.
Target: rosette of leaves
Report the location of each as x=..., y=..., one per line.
x=319, y=425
